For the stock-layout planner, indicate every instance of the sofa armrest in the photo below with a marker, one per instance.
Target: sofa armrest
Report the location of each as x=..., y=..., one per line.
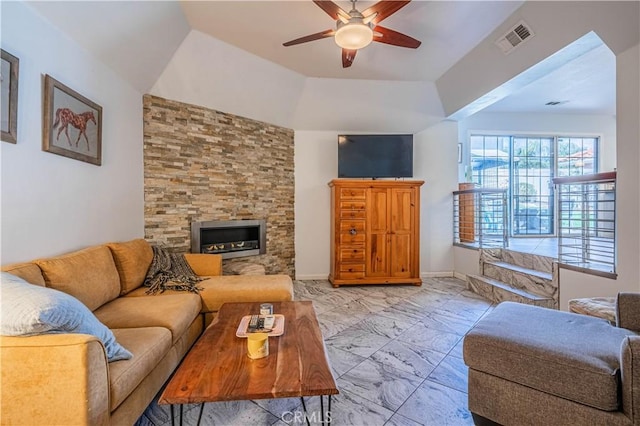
x=54, y=379
x=630, y=375
x=628, y=311
x=205, y=265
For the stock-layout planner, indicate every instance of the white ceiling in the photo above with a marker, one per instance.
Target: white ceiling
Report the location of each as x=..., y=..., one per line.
x=585, y=85
x=448, y=30
x=135, y=38
x=138, y=38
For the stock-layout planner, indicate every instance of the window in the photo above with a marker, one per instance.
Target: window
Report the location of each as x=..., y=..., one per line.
x=577, y=156
x=525, y=166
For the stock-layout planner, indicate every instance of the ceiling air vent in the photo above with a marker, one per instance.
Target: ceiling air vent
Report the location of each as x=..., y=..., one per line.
x=514, y=37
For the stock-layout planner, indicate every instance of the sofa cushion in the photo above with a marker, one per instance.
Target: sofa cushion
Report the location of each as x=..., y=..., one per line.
x=89, y=275
x=148, y=345
x=27, y=309
x=174, y=312
x=132, y=259
x=572, y=356
x=238, y=288
x=205, y=265
x=30, y=272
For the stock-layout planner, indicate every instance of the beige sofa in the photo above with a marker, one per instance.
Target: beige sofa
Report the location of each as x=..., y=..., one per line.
x=65, y=379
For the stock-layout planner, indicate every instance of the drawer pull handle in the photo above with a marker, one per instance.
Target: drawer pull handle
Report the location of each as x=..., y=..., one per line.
x=353, y=231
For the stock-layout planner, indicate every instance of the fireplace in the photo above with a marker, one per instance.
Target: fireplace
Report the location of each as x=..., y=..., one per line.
x=231, y=238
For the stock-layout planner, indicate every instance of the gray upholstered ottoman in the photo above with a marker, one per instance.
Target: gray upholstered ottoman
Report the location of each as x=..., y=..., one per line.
x=519, y=355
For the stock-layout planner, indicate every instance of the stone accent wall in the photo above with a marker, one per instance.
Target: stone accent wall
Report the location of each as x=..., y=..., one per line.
x=201, y=165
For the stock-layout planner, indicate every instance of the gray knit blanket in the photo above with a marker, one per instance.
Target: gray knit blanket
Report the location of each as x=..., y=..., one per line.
x=170, y=271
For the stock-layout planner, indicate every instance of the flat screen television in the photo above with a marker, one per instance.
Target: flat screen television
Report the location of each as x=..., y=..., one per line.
x=375, y=156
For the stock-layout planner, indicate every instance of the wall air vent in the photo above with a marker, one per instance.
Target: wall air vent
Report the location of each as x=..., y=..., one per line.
x=517, y=35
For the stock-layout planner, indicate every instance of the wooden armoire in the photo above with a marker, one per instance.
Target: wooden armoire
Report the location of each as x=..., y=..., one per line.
x=375, y=232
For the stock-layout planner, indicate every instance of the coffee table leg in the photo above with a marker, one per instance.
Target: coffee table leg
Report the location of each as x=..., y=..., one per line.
x=173, y=416
x=322, y=409
x=181, y=407
x=304, y=409
x=200, y=415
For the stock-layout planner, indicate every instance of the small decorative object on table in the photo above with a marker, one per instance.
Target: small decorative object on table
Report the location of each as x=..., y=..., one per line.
x=266, y=309
x=273, y=325
x=257, y=345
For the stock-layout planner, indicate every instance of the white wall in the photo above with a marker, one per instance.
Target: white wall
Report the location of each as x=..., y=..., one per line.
x=575, y=285
x=53, y=204
x=556, y=24
x=435, y=160
x=207, y=72
x=628, y=186
x=372, y=106
x=467, y=262
x=232, y=80
x=316, y=163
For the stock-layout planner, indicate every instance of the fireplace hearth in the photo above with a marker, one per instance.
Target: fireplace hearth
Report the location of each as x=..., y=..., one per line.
x=230, y=238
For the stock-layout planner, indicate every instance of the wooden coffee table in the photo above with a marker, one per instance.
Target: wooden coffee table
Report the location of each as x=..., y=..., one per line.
x=217, y=368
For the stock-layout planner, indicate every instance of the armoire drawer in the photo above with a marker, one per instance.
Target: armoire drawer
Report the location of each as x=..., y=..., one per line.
x=353, y=214
x=350, y=239
x=352, y=205
x=352, y=226
x=351, y=255
x=353, y=193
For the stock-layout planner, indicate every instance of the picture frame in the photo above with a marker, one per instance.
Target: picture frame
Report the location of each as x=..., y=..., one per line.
x=72, y=123
x=9, y=73
x=459, y=153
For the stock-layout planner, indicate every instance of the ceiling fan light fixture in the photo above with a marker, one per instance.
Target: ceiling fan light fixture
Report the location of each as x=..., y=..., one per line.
x=354, y=36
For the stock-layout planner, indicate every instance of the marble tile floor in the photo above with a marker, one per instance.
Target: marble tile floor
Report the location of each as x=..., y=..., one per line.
x=396, y=353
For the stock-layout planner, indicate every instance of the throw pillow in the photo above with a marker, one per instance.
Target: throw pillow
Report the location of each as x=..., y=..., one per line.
x=27, y=309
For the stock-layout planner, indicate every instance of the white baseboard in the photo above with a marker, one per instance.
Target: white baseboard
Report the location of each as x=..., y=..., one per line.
x=312, y=277
x=441, y=274
x=460, y=276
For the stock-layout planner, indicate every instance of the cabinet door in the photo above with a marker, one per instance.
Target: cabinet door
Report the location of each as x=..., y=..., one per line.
x=401, y=226
x=377, y=261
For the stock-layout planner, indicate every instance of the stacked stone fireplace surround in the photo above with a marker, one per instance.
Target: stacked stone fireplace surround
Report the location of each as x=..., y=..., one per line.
x=205, y=165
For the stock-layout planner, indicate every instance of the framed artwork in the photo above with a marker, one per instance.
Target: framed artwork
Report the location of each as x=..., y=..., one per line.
x=459, y=153
x=72, y=124
x=9, y=94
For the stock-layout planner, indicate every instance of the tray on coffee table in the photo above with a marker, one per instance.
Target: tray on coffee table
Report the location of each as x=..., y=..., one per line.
x=277, y=330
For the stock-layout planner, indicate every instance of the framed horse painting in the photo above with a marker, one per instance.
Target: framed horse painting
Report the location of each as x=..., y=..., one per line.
x=9, y=95
x=72, y=124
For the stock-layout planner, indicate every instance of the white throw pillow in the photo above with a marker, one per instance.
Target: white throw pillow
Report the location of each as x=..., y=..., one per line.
x=27, y=309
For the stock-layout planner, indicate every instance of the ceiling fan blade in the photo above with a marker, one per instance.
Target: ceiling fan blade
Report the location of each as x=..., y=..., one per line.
x=310, y=37
x=332, y=9
x=385, y=9
x=347, y=57
x=387, y=36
